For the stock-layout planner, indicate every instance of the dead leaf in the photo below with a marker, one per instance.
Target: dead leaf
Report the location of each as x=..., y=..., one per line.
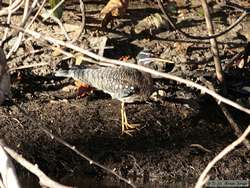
x=114, y=8
x=153, y=22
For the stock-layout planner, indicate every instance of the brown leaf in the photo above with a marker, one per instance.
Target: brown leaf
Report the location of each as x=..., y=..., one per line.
x=153, y=22
x=114, y=8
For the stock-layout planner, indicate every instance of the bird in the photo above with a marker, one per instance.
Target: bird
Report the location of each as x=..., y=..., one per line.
x=122, y=83
x=4, y=77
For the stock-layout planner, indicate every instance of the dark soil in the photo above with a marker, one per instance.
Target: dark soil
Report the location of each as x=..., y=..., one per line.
x=160, y=151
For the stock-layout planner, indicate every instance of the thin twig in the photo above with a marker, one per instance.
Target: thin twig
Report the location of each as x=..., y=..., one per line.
x=12, y=7
x=228, y=115
x=213, y=41
x=200, y=147
x=230, y=43
x=44, y=180
x=204, y=177
x=29, y=66
x=83, y=58
x=24, y=20
x=189, y=83
x=8, y=21
x=57, y=20
x=37, y=13
x=7, y=169
x=244, y=14
x=19, y=38
x=49, y=13
x=158, y=59
x=61, y=26
x=234, y=125
x=82, y=29
x=32, y=52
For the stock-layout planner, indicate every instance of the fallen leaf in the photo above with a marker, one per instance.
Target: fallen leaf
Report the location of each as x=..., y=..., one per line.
x=153, y=22
x=114, y=8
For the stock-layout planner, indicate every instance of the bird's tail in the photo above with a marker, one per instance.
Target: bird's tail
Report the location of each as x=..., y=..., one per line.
x=64, y=73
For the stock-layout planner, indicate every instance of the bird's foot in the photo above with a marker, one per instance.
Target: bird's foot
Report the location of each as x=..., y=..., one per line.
x=129, y=128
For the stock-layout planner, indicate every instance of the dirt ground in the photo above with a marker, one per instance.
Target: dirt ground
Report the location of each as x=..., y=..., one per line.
x=159, y=153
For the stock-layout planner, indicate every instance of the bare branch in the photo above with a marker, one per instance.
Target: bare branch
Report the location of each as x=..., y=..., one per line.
x=49, y=13
x=12, y=7
x=82, y=30
x=37, y=13
x=44, y=180
x=213, y=41
x=203, y=177
x=29, y=66
x=8, y=21
x=244, y=14
x=7, y=169
x=19, y=39
x=228, y=115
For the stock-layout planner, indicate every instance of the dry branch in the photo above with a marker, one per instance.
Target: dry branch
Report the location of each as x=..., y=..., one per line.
x=12, y=7
x=82, y=29
x=44, y=180
x=37, y=13
x=245, y=13
x=7, y=29
x=204, y=177
x=228, y=115
x=7, y=169
x=213, y=41
x=29, y=66
x=48, y=14
x=20, y=35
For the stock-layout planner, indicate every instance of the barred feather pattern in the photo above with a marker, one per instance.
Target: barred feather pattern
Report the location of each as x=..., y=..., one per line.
x=122, y=83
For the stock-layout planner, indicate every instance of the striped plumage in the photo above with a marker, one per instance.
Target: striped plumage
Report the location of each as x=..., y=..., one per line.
x=122, y=83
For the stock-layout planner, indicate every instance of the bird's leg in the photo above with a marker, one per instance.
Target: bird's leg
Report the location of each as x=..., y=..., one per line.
x=126, y=127
x=122, y=116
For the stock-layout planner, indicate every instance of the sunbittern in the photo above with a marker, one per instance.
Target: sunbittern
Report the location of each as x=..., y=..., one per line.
x=125, y=84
